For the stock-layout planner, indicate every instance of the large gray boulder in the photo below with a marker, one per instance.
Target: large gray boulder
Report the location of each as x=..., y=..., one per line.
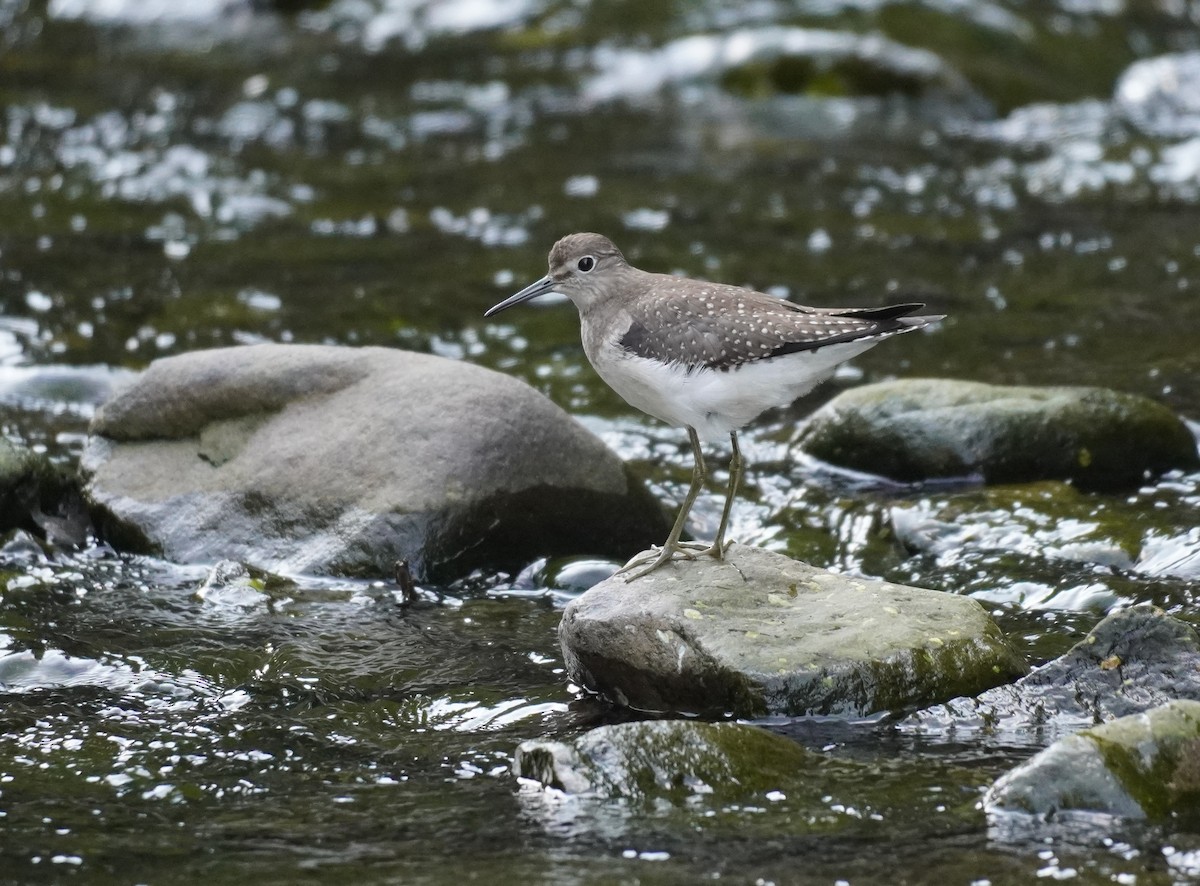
x=762, y=634
x=1140, y=766
x=1133, y=660
x=340, y=460
x=919, y=429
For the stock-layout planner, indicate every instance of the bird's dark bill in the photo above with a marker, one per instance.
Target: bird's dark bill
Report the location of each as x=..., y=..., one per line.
x=533, y=290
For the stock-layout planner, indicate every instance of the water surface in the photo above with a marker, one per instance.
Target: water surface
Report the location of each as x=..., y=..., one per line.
x=199, y=174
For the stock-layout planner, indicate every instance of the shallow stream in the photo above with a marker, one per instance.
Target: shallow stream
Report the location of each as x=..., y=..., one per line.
x=200, y=173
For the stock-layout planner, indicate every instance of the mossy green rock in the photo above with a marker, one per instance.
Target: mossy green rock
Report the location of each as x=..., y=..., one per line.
x=732, y=781
x=667, y=759
x=18, y=466
x=918, y=429
x=759, y=633
x=1141, y=766
x=37, y=496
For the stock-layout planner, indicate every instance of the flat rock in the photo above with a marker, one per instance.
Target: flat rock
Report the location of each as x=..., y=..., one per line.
x=304, y=458
x=1141, y=766
x=920, y=429
x=1133, y=660
x=761, y=634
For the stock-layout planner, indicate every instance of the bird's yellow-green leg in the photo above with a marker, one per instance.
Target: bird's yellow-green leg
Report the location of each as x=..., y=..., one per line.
x=736, y=465
x=672, y=546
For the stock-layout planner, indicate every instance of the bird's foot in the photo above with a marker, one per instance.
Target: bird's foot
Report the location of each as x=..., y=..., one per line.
x=717, y=550
x=687, y=550
x=665, y=555
x=682, y=548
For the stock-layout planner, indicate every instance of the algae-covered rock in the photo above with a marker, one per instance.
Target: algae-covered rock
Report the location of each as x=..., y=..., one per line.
x=733, y=781
x=918, y=429
x=667, y=759
x=343, y=460
x=1133, y=660
x=761, y=634
x=39, y=497
x=20, y=468
x=1141, y=766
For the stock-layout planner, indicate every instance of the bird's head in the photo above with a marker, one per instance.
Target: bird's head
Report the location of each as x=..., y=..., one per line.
x=580, y=266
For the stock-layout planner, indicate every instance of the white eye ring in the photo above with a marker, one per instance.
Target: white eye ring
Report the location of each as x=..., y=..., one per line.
x=586, y=263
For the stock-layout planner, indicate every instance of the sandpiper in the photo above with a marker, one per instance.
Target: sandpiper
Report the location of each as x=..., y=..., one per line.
x=708, y=357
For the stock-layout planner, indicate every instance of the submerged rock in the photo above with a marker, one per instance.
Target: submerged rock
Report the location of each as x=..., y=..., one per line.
x=732, y=781
x=760, y=61
x=1132, y=661
x=919, y=429
x=340, y=460
x=1140, y=766
x=762, y=634
x=668, y=760
x=50, y=387
x=1161, y=96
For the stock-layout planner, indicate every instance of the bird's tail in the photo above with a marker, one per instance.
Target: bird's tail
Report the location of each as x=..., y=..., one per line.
x=897, y=313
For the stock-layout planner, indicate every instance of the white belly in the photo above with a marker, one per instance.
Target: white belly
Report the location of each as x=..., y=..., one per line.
x=716, y=402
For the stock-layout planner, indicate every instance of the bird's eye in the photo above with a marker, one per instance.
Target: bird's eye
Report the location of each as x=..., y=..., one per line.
x=586, y=263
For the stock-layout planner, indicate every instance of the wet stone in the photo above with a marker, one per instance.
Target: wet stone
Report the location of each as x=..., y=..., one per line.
x=667, y=759
x=920, y=429
x=296, y=458
x=761, y=634
x=1132, y=661
x=1140, y=766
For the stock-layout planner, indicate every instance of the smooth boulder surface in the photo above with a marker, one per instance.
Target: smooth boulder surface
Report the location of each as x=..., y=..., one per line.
x=761, y=634
x=1133, y=660
x=305, y=458
x=919, y=429
x=1140, y=766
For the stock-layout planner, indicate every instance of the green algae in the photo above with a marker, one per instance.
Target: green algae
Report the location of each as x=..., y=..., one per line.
x=1138, y=766
x=1156, y=757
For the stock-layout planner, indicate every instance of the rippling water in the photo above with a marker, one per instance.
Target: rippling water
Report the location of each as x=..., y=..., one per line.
x=212, y=172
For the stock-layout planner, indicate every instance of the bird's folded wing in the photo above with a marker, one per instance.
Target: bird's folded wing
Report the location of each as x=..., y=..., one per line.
x=720, y=327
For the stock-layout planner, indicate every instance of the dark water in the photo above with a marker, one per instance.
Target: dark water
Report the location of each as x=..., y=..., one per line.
x=193, y=174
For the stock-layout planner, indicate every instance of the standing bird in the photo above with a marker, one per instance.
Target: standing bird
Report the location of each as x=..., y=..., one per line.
x=708, y=357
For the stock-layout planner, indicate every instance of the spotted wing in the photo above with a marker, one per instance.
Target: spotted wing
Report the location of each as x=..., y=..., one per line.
x=719, y=327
